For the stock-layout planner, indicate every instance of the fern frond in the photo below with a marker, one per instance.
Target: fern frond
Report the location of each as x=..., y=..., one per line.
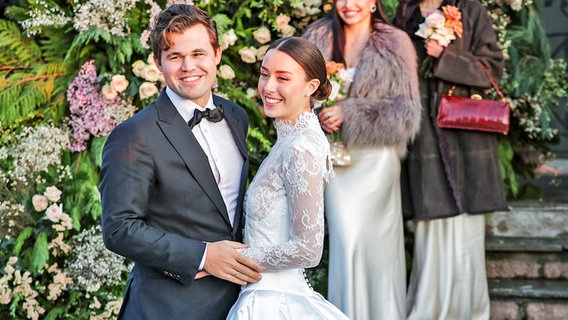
x=23, y=92
x=16, y=48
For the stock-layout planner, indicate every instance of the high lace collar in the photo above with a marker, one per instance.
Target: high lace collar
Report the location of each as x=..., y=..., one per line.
x=305, y=120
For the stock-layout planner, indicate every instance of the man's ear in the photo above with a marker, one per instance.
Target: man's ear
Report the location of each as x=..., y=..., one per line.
x=218, y=54
x=157, y=62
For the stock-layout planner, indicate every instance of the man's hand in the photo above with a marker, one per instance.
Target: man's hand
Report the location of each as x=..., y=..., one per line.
x=224, y=262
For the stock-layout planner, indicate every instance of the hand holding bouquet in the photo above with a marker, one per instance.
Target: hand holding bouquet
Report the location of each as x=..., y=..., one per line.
x=441, y=26
x=340, y=79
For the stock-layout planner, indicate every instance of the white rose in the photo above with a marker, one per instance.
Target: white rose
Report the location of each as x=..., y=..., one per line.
x=436, y=19
x=54, y=212
x=343, y=75
x=150, y=59
x=248, y=54
x=108, y=92
x=424, y=31
x=151, y=73
x=313, y=11
x=288, y=31
x=137, y=67
x=52, y=193
x=516, y=5
x=300, y=11
x=226, y=72
x=147, y=90
x=251, y=93
x=444, y=36
x=335, y=87
x=262, y=35
x=119, y=83
x=261, y=52
x=228, y=39
x=39, y=202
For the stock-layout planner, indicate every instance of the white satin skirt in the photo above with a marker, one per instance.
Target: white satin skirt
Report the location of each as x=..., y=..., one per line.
x=367, y=268
x=283, y=295
x=448, y=279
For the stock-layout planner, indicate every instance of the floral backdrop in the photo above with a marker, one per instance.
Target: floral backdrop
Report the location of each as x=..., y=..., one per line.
x=70, y=71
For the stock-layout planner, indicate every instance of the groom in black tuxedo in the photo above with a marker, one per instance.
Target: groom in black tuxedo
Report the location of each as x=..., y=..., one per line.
x=172, y=183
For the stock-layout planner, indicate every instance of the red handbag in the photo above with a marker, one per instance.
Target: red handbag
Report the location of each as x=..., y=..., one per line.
x=474, y=113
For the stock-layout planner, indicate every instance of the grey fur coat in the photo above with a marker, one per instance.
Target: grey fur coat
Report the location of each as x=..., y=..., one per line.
x=382, y=107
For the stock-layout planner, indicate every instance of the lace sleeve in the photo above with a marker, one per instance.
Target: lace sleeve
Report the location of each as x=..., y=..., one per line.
x=304, y=172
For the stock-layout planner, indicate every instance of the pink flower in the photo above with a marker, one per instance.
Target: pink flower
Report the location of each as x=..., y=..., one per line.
x=282, y=20
x=54, y=212
x=151, y=73
x=39, y=202
x=119, y=83
x=147, y=90
x=108, y=92
x=137, y=67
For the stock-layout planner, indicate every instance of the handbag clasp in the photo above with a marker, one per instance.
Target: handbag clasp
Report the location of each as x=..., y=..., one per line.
x=476, y=96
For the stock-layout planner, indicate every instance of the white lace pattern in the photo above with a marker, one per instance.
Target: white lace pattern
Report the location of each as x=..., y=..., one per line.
x=284, y=203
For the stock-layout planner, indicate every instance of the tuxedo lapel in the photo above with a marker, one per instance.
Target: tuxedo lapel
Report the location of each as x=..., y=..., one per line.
x=182, y=139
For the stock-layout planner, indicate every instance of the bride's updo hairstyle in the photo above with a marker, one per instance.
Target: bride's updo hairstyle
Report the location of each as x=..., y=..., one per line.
x=309, y=57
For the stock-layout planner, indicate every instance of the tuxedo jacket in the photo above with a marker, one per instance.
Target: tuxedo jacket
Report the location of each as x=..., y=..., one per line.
x=160, y=204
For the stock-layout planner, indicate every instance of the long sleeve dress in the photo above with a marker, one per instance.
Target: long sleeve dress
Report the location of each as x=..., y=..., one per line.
x=284, y=226
x=451, y=178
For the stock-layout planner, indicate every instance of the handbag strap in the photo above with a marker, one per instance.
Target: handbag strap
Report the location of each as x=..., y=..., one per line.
x=493, y=82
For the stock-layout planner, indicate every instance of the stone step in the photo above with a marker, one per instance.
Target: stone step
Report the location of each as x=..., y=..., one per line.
x=526, y=244
x=528, y=258
x=531, y=218
x=528, y=289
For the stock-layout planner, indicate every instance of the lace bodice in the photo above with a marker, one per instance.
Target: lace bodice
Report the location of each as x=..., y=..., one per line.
x=284, y=203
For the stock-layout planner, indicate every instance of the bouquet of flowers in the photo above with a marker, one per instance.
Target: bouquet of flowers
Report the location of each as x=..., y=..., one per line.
x=340, y=80
x=442, y=26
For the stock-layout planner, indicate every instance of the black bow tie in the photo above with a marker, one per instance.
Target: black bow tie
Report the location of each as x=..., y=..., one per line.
x=214, y=115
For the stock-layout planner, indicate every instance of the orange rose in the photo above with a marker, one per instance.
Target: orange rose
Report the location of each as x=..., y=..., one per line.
x=452, y=13
x=453, y=19
x=456, y=26
x=332, y=67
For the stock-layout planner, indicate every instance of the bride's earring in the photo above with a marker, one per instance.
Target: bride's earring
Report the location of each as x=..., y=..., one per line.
x=373, y=7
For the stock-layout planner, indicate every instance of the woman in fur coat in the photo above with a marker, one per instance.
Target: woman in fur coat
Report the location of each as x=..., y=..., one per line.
x=381, y=113
x=451, y=178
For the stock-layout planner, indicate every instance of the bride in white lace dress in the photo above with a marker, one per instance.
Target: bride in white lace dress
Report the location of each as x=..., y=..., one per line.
x=284, y=227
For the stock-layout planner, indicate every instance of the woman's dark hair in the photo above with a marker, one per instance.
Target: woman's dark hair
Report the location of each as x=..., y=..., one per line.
x=379, y=16
x=309, y=57
x=175, y=19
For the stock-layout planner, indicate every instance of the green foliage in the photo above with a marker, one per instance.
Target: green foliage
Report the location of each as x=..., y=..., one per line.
x=31, y=85
x=40, y=253
x=22, y=237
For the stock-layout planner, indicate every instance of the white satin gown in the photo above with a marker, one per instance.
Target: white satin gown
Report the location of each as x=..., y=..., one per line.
x=284, y=226
x=367, y=267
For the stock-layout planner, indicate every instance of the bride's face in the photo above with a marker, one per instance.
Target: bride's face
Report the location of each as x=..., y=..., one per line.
x=283, y=86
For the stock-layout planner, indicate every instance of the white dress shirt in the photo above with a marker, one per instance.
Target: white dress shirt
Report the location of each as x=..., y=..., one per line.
x=217, y=142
